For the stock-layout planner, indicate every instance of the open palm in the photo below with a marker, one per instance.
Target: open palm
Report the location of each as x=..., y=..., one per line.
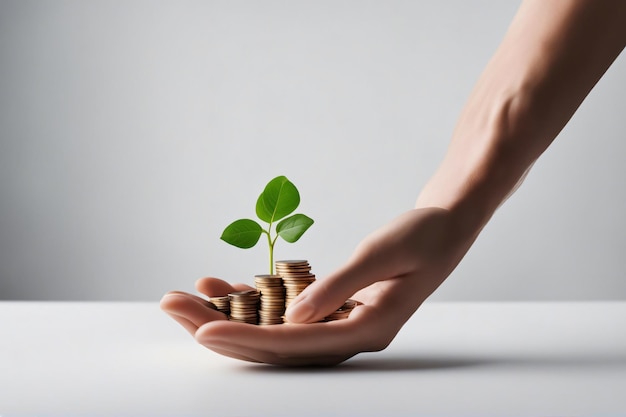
x=390, y=274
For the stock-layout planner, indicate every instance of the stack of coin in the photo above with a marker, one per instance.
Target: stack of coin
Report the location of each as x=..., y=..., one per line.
x=244, y=306
x=343, y=312
x=296, y=277
x=221, y=304
x=272, y=304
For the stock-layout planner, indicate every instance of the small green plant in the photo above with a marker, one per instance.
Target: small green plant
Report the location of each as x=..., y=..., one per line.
x=279, y=199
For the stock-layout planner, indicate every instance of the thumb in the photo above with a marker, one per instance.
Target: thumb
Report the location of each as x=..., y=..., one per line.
x=325, y=296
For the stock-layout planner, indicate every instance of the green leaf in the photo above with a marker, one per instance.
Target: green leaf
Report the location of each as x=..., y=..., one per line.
x=293, y=227
x=279, y=198
x=243, y=233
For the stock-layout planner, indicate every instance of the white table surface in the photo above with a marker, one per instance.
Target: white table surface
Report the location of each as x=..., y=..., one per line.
x=451, y=359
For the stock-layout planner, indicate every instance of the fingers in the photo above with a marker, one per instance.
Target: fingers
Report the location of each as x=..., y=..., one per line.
x=288, y=344
x=189, y=310
x=195, y=298
x=215, y=287
x=324, y=296
x=388, y=253
x=292, y=344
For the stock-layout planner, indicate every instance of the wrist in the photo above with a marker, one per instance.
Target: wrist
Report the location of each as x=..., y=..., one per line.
x=492, y=148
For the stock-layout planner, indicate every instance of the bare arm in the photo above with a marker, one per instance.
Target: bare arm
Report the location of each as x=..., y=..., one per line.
x=551, y=57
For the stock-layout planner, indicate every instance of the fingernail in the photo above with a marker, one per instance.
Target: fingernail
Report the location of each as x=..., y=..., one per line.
x=300, y=312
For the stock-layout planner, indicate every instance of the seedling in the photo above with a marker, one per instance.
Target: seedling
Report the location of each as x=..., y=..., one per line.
x=279, y=199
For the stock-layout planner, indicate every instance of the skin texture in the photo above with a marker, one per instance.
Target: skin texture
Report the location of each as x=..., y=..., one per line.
x=551, y=57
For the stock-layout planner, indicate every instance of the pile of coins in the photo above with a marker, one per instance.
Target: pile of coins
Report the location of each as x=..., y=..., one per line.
x=266, y=304
x=244, y=306
x=222, y=304
x=296, y=277
x=272, y=304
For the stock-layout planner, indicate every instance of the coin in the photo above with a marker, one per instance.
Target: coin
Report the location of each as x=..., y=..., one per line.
x=342, y=312
x=272, y=301
x=266, y=304
x=222, y=303
x=244, y=306
x=296, y=275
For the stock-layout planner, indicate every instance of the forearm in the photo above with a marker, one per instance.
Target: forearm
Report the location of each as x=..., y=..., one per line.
x=551, y=57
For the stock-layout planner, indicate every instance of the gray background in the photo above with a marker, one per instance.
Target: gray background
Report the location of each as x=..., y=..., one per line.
x=132, y=133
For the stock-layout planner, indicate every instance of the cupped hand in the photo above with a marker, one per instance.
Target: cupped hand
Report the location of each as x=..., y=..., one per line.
x=390, y=274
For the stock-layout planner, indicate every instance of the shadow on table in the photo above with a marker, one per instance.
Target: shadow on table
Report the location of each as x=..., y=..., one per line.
x=373, y=364
x=431, y=363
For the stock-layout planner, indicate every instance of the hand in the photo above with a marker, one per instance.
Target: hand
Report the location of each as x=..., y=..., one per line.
x=390, y=273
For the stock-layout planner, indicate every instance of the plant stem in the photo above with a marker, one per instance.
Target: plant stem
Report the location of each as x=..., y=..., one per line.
x=271, y=259
x=270, y=243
